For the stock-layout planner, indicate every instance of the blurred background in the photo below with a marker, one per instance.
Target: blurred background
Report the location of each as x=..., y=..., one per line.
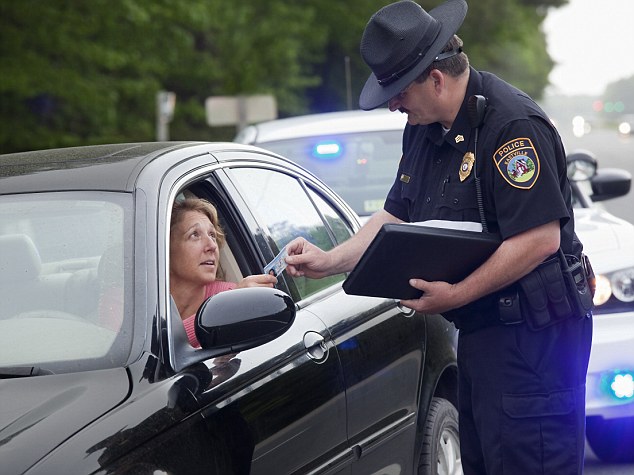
x=77, y=72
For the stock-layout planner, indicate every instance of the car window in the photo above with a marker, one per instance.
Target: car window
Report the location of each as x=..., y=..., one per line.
x=63, y=280
x=282, y=205
x=360, y=166
x=340, y=228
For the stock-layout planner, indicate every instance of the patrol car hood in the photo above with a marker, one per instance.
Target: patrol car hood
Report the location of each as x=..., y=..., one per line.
x=606, y=239
x=39, y=413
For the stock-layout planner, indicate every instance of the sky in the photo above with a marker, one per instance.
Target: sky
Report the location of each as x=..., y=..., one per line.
x=592, y=44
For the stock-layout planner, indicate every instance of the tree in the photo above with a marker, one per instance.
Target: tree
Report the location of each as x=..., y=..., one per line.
x=76, y=72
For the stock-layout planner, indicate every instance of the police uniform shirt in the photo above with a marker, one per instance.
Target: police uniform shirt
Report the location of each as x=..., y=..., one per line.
x=520, y=160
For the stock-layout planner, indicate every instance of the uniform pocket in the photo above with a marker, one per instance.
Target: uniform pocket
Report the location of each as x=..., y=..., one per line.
x=519, y=406
x=540, y=433
x=458, y=203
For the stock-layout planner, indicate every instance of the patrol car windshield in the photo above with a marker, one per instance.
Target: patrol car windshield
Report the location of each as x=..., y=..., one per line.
x=360, y=167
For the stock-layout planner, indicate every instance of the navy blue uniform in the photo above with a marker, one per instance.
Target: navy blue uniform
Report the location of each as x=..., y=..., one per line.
x=521, y=391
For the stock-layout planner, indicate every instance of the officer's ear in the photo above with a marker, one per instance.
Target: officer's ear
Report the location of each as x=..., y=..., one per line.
x=438, y=80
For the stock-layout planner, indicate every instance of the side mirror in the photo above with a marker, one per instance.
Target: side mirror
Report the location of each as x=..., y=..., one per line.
x=610, y=183
x=243, y=318
x=581, y=165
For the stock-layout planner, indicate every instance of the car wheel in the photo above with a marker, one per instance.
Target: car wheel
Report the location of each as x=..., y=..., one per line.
x=611, y=439
x=440, y=451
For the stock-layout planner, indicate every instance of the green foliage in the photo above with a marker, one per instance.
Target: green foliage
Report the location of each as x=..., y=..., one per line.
x=505, y=38
x=79, y=72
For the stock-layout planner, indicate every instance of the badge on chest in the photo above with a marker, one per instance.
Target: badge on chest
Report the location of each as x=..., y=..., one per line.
x=466, y=166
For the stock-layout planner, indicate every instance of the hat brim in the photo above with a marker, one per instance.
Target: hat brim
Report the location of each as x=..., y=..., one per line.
x=450, y=14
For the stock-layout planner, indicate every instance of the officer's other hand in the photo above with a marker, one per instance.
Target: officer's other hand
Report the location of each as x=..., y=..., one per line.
x=306, y=259
x=437, y=297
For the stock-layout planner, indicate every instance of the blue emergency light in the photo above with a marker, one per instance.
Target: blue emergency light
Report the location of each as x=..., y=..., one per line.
x=620, y=385
x=327, y=150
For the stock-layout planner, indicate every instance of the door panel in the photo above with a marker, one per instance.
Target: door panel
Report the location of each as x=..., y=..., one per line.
x=382, y=355
x=279, y=407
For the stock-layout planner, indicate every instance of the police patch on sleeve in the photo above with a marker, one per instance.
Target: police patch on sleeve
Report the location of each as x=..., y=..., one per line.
x=518, y=163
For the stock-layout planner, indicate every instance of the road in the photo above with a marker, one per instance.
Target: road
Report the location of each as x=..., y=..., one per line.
x=594, y=466
x=611, y=151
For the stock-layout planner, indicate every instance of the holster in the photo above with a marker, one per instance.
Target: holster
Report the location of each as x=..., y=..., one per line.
x=555, y=290
x=580, y=281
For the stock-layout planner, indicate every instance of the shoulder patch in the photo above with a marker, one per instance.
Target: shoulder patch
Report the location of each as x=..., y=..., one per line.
x=518, y=163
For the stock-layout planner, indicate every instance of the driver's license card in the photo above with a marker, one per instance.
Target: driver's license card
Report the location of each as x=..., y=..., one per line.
x=278, y=264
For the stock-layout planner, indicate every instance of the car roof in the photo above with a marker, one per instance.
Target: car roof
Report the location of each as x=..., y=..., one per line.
x=326, y=123
x=113, y=167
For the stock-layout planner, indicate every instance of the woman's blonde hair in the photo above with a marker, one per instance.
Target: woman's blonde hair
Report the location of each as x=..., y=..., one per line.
x=202, y=206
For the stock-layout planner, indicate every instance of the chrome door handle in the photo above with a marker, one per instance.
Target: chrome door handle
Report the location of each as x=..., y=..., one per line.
x=316, y=347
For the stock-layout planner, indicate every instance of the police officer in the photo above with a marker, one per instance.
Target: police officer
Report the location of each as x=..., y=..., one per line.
x=476, y=149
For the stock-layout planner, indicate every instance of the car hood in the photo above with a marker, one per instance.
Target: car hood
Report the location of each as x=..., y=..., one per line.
x=37, y=414
x=606, y=239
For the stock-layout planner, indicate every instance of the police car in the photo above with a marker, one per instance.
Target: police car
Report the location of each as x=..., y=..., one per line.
x=356, y=153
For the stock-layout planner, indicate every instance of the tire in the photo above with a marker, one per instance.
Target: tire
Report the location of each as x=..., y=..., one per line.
x=611, y=440
x=440, y=450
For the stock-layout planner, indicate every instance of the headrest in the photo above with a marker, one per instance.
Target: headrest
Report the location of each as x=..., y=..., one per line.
x=19, y=259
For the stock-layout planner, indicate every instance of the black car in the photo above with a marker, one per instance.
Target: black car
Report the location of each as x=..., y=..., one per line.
x=300, y=379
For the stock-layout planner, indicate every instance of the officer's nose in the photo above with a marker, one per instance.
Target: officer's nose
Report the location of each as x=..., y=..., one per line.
x=394, y=104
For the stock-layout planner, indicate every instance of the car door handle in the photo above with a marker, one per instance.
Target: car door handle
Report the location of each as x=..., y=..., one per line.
x=316, y=347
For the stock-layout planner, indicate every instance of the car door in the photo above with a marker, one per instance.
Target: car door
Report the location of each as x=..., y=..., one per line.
x=380, y=346
x=280, y=407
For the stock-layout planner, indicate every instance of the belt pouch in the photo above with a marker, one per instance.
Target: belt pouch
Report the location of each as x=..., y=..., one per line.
x=535, y=305
x=509, y=310
x=553, y=280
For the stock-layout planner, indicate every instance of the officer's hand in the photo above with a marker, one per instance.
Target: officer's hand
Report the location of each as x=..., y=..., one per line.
x=437, y=297
x=306, y=259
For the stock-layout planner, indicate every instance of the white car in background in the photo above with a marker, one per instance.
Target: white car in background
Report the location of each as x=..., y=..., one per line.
x=356, y=153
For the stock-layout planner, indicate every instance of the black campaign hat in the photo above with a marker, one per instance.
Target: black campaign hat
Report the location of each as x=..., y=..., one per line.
x=400, y=41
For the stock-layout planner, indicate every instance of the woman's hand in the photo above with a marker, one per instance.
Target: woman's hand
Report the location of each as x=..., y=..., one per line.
x=258, y=280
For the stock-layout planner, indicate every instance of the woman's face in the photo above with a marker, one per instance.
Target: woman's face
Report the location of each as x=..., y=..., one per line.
x=194, y=250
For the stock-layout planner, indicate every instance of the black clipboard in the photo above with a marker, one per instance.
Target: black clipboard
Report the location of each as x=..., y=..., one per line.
x=400, y=252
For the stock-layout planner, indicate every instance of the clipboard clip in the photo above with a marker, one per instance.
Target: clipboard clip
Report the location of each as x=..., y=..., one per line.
x=406, y=311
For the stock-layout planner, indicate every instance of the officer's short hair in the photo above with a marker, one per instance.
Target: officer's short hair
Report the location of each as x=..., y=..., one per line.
x=453, y=66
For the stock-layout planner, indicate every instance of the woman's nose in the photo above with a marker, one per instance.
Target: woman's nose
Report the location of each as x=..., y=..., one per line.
x=393, y=104
x=211, y=243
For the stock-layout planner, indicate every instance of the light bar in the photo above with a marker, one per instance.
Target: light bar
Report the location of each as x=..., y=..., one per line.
x=620, y=385
x=327, y=150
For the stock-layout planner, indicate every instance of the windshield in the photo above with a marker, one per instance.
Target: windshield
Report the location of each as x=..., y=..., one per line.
x=64, y=280
x=360, y=167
